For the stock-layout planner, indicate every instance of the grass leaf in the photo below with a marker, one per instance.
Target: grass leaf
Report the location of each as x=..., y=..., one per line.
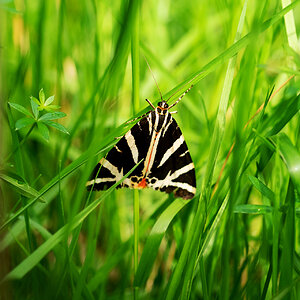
x=152, y=244
x=253, y=209
x=260, y=186
x=33, y=259
x=290, y=156
x=22, y=188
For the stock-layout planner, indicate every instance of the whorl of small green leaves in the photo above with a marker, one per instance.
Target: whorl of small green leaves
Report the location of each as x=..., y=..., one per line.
x=37, y=118
x=44, y=104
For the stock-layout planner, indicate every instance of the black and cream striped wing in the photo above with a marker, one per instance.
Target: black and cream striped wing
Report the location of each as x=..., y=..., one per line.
x=173, y=170
x=167, y=165
x=130, y=149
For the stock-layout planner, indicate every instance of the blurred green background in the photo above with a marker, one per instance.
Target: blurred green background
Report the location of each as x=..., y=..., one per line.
x=239, y=237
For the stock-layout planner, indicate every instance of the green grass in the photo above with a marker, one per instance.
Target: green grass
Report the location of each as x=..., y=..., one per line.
x=239, y=237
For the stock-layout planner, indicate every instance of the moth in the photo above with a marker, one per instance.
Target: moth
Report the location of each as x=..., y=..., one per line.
x=156, y=139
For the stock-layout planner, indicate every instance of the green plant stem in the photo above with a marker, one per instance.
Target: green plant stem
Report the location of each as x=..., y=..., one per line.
x=276, y=218
x=21, y=172
x=21, y=143
x=135, y=104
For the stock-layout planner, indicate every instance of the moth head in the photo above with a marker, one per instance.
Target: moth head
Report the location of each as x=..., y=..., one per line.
x=162, y=107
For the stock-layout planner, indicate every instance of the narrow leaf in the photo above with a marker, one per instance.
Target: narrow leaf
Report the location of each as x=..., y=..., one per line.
x=23, y=122
x=35, y=100
x=52, y=116
x=34, y=258
x=20, y=108
x=49, y=100
x=43, y=130
x=22, y=188
x=34, y=107
x=282, y=114
x=151, y=248
x=56, y=126
x=252, y=209
x=51, y=107
x=42, y=97
x=290, y=156
x=260, y=186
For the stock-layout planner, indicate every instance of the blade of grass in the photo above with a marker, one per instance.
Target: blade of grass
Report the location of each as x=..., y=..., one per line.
x=229, y=52
x=291, y=157
x=20, y=171
x=107, y=87
x=68, y=170
x=290, y=27
x=260, y=186
x=190, y=251
x=31, y=261
x=153, y=241
x=276, y=224
x=288, y=243
x=281, y=116
x=22, y=188
x=135, y=54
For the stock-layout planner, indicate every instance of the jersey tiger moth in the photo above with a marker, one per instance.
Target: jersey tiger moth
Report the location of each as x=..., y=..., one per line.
x=158, y=140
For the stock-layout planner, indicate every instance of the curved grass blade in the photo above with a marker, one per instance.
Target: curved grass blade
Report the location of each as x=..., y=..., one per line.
x=290, y=156
x=151, y=248
x=32, y=260
x=283, y=113
x=112, y=78
x=65, y=172
x=188, y=257
x=260, y=186
x=228, y=53
x=23, y=188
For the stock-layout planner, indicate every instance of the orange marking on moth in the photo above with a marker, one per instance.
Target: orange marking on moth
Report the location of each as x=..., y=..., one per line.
x=143, y=183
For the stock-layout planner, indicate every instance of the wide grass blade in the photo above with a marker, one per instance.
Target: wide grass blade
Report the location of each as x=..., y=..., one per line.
x=290, y=156
x=152, y=244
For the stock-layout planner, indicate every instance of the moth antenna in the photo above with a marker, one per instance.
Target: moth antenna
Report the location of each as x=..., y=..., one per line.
x=180, y=97
x=186, y=90
x=154, y=79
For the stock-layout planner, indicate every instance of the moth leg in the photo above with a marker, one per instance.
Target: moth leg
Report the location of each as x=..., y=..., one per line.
x=150, y=103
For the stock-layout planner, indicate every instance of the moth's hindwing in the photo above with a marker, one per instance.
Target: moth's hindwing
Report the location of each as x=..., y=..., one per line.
x=167, y=164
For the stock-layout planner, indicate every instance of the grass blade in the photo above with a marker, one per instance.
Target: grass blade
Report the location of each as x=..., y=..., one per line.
x=31, y=261
x=151, y=247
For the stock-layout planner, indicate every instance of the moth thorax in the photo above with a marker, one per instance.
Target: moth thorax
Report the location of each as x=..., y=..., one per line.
x=162, y=107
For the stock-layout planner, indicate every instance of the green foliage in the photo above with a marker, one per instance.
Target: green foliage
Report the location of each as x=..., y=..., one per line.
x=34, y=118
x=238, y=238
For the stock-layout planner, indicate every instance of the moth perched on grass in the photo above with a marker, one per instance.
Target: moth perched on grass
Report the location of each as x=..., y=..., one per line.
x=157, y=140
